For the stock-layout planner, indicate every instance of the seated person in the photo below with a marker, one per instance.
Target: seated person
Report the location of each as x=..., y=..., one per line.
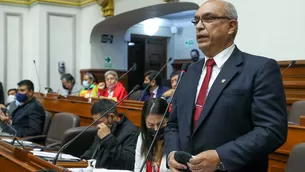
x=155, y=88
x=26, y=115
x=174, y=79
x=90, y=89
x=114, y=88
x=152, y=114
x=11, y=96
x=115, y=143
x=69, y=87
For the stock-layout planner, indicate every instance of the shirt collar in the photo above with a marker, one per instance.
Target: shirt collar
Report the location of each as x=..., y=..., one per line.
x=155, y=90
x=223, y=56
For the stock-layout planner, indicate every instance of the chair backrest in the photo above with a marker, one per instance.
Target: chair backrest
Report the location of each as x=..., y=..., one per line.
x=297, y=110
x=60, y=123
x=82, y=143
x=47, y=122
x=296, y=159
x=136, y=95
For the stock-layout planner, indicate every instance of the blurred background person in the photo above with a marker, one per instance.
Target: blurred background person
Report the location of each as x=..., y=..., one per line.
x=174, y=79
x=69, y=87
x=90, y=89
x=113, y=88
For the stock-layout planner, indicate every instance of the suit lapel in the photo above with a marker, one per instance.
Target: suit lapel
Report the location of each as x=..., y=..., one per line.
x=227, y=73
x=195, y=74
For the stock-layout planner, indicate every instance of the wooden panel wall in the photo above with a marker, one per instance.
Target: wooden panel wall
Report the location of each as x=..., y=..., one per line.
x=294, y=80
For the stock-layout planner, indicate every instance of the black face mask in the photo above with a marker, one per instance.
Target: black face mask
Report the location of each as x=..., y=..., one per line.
x=63, y=86
x=152, y=133
x=145, y=85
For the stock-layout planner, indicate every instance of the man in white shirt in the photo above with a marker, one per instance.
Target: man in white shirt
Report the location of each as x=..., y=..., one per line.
x=229, y=111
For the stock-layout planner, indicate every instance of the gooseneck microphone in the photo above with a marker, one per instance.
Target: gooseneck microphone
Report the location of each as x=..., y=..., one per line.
x=183, y=70
x=15, y=137
x=38, y=78
x=291, y=64
x=72, y=140
x=133, y=68
x=144, y=90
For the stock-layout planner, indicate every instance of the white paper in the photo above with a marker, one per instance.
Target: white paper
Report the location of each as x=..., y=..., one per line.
x=52, y=155
x=105, y=170
x=25, y=143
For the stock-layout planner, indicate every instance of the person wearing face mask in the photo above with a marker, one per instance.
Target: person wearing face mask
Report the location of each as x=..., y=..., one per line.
x=26, y=115
x=115, y=143
x=155, y=88
x=113, y=88
x=69, y=87
x=174, y=79
x=152, y=114
x=90, y=88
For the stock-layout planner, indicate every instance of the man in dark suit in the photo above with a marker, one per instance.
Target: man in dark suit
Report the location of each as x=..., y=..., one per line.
x=229, y=111
x=155, y=88
x=1, y=94
x=26, y=115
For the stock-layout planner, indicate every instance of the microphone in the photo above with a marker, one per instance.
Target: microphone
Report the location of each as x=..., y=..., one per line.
x=133, y=68
x=37, y=76
x=291, y=64
x=144, y=90
x=183, y=70
x=136, y=88
x=15, y=137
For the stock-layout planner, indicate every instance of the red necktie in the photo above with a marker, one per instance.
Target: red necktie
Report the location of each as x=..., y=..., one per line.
x=203, y=90
x=152, y=94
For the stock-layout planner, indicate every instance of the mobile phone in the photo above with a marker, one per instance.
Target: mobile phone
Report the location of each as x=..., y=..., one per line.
x=4, y=110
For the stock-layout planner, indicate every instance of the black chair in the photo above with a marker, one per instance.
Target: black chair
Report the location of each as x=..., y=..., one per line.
x=296, y=111
x=296, y=160
x=136, y=95
x=59, y=124
x=82, y=143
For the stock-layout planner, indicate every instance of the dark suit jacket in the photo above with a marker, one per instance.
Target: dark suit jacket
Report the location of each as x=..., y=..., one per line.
x=1, y=94
x=28, y=119
x=244, y=117
x=160, y=91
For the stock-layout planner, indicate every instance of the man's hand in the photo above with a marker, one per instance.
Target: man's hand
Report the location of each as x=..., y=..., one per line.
x=2, y=106
x=174, y=166
x=206, y=161
x=5, y=118
x=103, y=130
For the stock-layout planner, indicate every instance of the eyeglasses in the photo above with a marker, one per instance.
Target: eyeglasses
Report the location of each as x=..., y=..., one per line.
x=209, y=19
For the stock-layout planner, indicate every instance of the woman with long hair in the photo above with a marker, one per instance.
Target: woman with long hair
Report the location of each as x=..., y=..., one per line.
x=152, y=114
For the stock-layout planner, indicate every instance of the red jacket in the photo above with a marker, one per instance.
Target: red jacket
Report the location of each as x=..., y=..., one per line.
x=119, y=91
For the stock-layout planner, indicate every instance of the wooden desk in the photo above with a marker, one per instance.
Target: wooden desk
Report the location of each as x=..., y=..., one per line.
x=15, y=159
x=278, y=159
x=82, y=108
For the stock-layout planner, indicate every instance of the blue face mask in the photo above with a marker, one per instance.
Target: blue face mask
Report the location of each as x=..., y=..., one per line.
x=21, y=97
x=86, y=84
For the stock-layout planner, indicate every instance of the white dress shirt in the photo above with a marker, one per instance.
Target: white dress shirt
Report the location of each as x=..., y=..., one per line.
x=155, y=92
x=219, y=59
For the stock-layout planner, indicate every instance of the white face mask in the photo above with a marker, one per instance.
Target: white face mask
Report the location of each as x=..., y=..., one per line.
x=10, y=98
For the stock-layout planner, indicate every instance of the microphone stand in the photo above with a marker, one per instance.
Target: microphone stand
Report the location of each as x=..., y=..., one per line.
x=37, y=76
x=154, y=78
x=132, y=68
x=291, y=64
x=184, y=67
x=15, y=137
x=72, y=140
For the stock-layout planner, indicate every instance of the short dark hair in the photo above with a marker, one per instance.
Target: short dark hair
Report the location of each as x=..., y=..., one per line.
x=157, y=106
x=68, y=77
x=151, y=74
x=102, y=106
x=174, y=74
x=12, y=89
x=29, y=84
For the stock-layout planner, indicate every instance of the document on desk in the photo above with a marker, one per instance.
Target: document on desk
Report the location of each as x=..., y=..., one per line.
x=25, y=143
x=52, y=155
x=94, y=170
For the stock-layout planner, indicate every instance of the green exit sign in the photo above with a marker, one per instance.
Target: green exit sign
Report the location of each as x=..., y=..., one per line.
x=189, y=43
